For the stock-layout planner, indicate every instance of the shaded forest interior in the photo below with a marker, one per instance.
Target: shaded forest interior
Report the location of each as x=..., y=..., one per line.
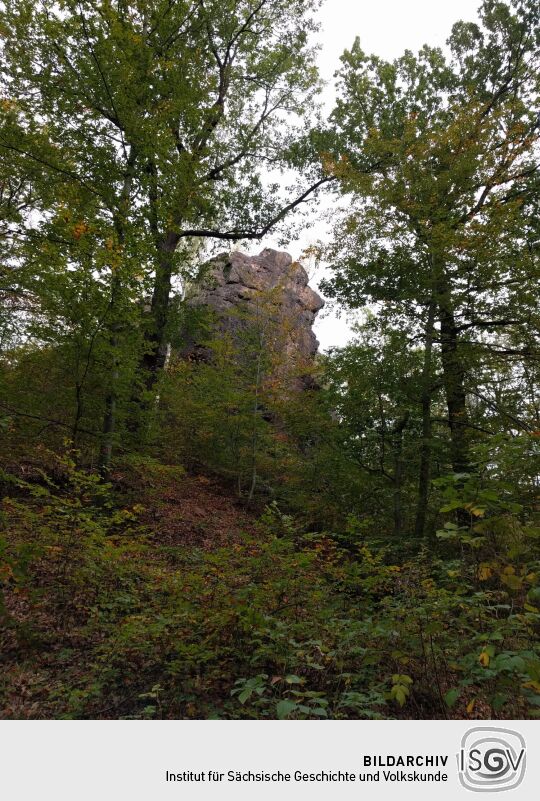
x=202, y=515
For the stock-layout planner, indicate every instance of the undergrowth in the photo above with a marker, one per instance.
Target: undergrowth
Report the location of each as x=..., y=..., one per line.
x=100, y=620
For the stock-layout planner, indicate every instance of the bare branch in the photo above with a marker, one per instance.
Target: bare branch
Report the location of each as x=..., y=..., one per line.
x=236, y=235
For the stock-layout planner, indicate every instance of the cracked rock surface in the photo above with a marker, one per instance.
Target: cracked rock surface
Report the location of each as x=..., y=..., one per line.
x=271, y=285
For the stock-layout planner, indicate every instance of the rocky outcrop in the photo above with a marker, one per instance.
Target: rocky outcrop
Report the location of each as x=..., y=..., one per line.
x=243, y=289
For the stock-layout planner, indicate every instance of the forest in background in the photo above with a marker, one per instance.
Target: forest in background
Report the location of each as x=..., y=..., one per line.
x=201, y=538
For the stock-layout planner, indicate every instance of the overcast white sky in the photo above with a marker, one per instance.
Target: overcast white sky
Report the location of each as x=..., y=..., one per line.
x=386, y=28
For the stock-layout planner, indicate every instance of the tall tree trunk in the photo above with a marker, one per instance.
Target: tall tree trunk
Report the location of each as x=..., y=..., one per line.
x=397, y=444
x=255, y=430
x=109, y=418
x=424, y=473
x=111, y=399
x=156, y=346
x=454, y=387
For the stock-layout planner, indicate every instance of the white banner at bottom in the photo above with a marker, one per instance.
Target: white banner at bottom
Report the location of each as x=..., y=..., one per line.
x=222, y=760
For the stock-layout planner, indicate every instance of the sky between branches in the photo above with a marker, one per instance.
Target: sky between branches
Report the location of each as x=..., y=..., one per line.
x=386, y=28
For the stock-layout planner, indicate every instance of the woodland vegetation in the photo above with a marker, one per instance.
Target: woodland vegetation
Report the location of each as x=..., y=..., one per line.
x=202, y=539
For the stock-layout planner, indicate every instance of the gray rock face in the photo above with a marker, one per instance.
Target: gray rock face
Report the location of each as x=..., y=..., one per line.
x=270, y=286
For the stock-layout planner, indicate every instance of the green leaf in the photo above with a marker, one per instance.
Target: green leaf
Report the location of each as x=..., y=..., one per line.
x=451, y=697
x=285, y=708
x=449, y=507
x=400, y=694
x=291, y=679
x=245, y=695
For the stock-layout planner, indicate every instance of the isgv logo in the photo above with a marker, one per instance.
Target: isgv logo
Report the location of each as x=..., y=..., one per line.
x=491, y=760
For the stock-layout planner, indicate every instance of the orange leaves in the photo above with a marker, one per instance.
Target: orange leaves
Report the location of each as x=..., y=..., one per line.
x=6, y=572
x=79, y=229
x=485, y=571
x=331, y=166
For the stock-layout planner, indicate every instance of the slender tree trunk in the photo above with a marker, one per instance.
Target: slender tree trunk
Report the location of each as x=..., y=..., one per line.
x=424, y=473
x=397, y=443
x=254, y=440
x=111, y=399
x=454, y=386
x=78, y=415
x=109, y=418
x=255, y=432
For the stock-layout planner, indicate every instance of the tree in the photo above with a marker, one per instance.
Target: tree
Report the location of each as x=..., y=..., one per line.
x=163, y=120
x=378, y=394
x=440, y=158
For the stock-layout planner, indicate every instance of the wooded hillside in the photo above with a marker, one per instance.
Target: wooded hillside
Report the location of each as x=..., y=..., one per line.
x=202, y=515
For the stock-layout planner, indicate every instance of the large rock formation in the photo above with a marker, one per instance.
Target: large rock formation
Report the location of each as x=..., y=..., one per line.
x=242, y=289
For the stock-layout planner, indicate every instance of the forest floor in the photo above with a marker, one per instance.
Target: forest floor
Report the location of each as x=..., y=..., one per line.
x=163, y=596
x=198, y=510
x=43, y=650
